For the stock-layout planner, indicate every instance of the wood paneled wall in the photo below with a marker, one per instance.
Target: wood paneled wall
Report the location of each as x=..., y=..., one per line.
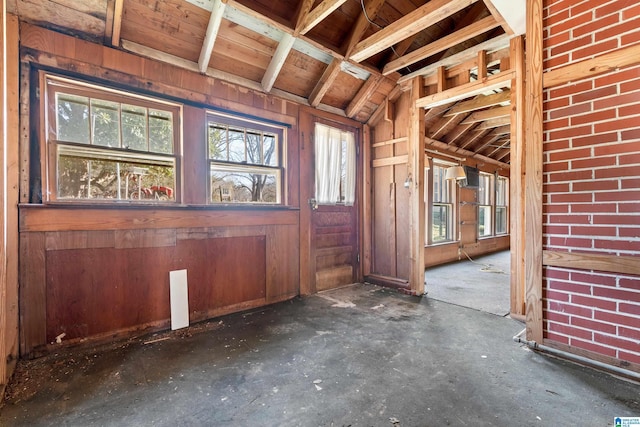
x=102, y=271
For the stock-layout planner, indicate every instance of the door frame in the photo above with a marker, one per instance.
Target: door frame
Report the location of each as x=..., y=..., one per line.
x=308, y=117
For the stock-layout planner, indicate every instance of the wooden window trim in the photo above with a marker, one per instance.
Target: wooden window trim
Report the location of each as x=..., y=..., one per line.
x=49, y=143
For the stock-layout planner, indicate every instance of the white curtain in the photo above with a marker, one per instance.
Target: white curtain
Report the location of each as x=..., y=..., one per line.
x=335, y=152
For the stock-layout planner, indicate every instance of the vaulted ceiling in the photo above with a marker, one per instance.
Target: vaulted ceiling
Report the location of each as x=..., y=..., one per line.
x=344, y=56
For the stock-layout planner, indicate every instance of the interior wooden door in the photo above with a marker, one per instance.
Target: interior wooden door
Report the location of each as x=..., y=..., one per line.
x=332, y=244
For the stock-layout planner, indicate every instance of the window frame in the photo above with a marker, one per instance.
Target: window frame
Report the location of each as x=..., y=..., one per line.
x=448, y=205
x=486, y=205
x=53, y=84
x=504, y=206
x=249, y=124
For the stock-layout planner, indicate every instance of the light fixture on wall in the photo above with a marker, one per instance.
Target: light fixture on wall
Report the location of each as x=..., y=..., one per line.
x=456, y=172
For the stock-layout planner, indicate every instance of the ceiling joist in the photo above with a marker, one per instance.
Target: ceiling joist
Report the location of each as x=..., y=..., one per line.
x=212, y=33
x=325, y=82
x=370, y=12
x=321, y=11
x=466, y=33
x=277, y=61
x=117, y=23
x=492, y=113
x=363, y=95
x=408, y=25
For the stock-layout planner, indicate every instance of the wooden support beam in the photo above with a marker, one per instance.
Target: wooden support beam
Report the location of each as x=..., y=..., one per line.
x=277, y=61
x=601, y=64
x=478, y=134
x=492, y=113
x=305, y=8
x=533, y=172
x=363, y=95
x=439, y=145
x=455, y=135
x=389, y=161
x=496, y=81
x=598, y=262
x=212, y=33
x=517, y=236
x=117, y=23
x=321, y=11
x=328, y=77
x=410, y=24
x=480, y=102
x=482, y=64
x=9, y=187
x=495, y=123
x=491, y=45
x=501, y=145
x=443, y=43
x=499, y=18
x=441, y=126
x=370, y=12
x=415, y=166
x=441, y=81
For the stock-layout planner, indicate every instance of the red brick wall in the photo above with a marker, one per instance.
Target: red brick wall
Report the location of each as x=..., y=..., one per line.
x=591, y=191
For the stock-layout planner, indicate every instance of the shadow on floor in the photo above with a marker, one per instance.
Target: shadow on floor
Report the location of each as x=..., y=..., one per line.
x=359, y=356
x=481, y=283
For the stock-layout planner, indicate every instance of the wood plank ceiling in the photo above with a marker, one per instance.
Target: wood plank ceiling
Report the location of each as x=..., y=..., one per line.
x=344, y=56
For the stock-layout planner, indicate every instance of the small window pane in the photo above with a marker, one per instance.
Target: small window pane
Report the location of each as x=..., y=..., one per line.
x=160, y=132
x=270, y=150
x=134, y=127
x=239, y=186
x=218, y=143
x=440, y=223
x=484, y=221
x=236, y=146
x=254, y=148
x=72, y=113
x=501, y=220
x=105, y=121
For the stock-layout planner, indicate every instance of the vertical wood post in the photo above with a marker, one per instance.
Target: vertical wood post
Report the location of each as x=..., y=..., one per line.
x=517, y=183
x=533, y=176
x=416, y=195
x=9, y=194
x=365, y=206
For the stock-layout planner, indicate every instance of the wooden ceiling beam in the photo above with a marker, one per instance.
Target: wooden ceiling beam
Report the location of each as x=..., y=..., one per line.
x=458, y=132
x=480, y=102
x=370, y=12
x=492, y=113
x=212, y=33
x=363, y=95
x=439, y=145
x=495, y=123
x=117, y=23
x=502, y=145
x=495, y=81
x=442, y=125
x=318, y=14
x=492, y=45
x=328, y=77
x=478, y=134
x=305, y=8
x=466, y=33
x=416, y=21
x=277, y=61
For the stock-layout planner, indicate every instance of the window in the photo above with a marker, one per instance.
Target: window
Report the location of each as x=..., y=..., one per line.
x=109, y=145
x=442, y=206
x=485, y=205
x=245, y=160
x=502, y=202
x=335, y=164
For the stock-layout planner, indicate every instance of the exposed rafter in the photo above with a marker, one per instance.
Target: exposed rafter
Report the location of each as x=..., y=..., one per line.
x=480, y=102
x=320, y=12
x=212, y=33
x=408, y=25
x=369, y=87
x=277, y=61
x=370, y=12
x=441, y=44
x=493, y=113
x=325, y=82
x=117, y=23
x=305, y=8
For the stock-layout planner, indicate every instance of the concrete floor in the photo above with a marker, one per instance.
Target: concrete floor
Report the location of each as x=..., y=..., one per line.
x=359, y=356
x=480, y=283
